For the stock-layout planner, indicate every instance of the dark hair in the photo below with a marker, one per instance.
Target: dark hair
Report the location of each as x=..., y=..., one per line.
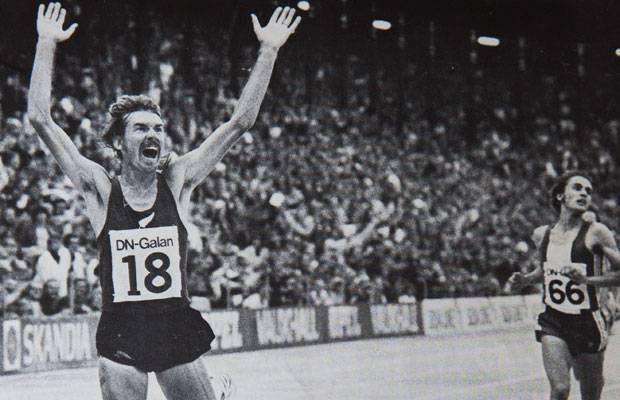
x=560, y=185
x=119, y=111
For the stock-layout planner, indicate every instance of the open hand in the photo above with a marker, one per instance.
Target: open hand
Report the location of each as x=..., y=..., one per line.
x=50, y=21
x=279, y=28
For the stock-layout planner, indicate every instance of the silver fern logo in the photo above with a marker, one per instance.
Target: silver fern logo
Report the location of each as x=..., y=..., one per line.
x=146, y=220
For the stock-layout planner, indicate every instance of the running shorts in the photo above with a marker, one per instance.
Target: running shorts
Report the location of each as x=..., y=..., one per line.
x=587, y=332
x=153, y=343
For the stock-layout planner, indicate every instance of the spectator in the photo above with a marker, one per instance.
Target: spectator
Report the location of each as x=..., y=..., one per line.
x=19, y=308
x=41, y=228
x=12, y=259
x=52, y=303
x=31, y=298
x=11, y=291
x=81, y=297
x=79, y=267
x=319, y=295
x=25, y=230
x=54, y=264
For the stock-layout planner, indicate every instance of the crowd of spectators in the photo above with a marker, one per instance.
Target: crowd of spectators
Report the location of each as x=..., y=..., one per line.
x=325, y=201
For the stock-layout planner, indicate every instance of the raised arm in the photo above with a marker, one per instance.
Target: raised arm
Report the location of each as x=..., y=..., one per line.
x=88, y=177
x=191, y=169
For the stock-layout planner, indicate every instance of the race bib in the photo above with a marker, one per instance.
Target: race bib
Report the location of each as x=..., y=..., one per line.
x=563, y=294
x=146, y=263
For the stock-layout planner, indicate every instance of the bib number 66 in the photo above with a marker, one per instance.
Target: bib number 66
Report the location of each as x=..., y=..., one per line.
x=572, y=293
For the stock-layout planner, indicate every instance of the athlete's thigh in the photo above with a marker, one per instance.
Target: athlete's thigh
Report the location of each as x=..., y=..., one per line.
x=189, y=381
x=557, y=360
x=121, y=382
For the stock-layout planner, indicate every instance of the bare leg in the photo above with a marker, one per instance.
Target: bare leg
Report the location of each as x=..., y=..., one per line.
x=188, y=381
x=557, y=361
x=589, y=372
x=121, y=382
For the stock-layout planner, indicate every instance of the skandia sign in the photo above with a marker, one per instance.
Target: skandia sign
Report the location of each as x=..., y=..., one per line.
x=36, y=345
x=11, y=345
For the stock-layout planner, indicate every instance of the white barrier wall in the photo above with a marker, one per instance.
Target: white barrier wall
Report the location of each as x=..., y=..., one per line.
x=29, y=345
x=479, y=314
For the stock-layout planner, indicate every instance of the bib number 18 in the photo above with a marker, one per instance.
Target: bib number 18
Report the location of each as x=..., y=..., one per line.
x=154, y=272
x=146, y=264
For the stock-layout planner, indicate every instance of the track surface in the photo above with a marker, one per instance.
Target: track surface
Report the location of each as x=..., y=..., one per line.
x=481, y=367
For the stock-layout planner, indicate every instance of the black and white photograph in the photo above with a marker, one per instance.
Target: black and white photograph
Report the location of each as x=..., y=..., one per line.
x=301, y=200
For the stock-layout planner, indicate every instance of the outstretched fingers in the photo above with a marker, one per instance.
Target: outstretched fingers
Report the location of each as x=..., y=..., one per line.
x=275, y=15
x=50, y=10
x=56, y=12
x=289, y=17
x=283, y=15
x=295, y=23
x=41, y=12
x=61, y=16
x=281, y=25
x=50, y=21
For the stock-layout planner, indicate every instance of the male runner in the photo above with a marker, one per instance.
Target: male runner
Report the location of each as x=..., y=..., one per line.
x=574, y=328
x=140, y=219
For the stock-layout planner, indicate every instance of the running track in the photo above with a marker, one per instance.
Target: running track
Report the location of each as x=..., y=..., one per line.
x=481, y=367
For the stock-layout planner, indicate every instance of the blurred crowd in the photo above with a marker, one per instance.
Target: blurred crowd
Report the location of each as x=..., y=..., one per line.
x=429, y=188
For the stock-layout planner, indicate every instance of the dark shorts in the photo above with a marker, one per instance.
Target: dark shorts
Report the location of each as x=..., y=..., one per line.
x=153, y=343
x=583, y=333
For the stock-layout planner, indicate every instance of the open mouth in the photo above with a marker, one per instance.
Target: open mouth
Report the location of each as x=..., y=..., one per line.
x=150, y=149
x=150, y=152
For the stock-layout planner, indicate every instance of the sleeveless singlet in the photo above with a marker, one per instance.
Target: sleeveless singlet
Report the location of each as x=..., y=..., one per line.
x=143, y=255
x=559, y=292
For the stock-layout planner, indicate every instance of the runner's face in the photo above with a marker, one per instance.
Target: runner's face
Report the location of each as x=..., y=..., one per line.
x=143, y=140
x=577, y=194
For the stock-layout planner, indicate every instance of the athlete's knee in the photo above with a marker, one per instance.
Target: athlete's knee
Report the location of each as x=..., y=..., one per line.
x=560, y=390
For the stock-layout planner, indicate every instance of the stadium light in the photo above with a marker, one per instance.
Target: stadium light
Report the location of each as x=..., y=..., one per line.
x=488, y=41
x=381, y=24
x=303, y=5
x=617, y=52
